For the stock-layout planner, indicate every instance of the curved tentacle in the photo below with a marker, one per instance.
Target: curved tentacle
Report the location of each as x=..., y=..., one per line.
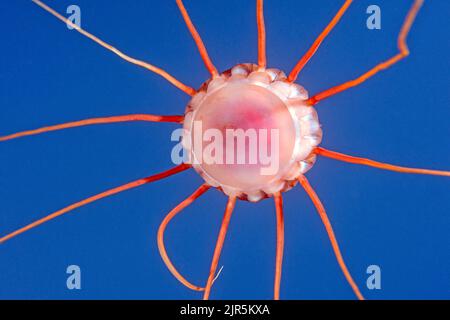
x=403, y=53
x=162, y=250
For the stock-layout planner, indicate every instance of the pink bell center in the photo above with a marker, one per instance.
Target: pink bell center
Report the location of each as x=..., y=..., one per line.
x=257, y=136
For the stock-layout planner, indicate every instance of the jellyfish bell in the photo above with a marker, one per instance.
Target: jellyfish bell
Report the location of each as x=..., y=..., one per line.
x=250, y=132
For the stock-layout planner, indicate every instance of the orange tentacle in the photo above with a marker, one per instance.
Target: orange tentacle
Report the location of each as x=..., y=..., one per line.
x=92, y=121
x=310, y=53
x=262, y=59
x=403, y=53
x=99, y=196
x=162, y=73
x=162, y=228
x=198, y=40
x=375, y=164
x=323, y=215
x=219, y=245
x=280, y=244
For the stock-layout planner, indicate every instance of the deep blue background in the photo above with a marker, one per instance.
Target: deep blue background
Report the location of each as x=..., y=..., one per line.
x=49, y=75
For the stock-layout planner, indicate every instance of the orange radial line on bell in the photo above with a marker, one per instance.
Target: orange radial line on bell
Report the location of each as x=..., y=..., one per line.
x=198, y=40
x=148, y=66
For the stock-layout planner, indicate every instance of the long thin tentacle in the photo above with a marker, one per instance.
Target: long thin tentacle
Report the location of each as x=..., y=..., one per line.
x=262, y=59
x=280, y=244
x=323, y=215
x=162, y=250
x=162, y=73
x=376, y=164
x=92, y=121
x=198, y=40
x=310, y=53
x=219, y=245
x=403, y=53
x=99, y=196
